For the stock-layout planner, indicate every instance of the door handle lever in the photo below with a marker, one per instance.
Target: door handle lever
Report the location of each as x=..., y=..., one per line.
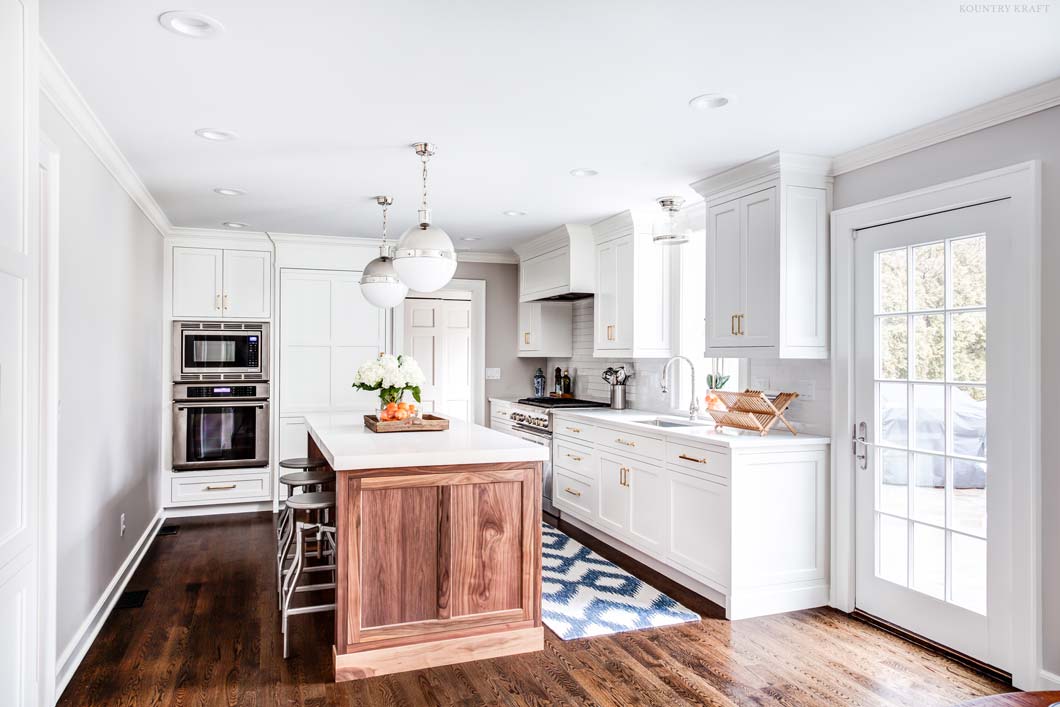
x=861, y=455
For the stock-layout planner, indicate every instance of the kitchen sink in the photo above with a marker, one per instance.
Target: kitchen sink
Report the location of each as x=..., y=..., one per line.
x=659, y=422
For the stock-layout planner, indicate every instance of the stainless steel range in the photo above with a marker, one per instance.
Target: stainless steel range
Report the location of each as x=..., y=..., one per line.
x=531, y=419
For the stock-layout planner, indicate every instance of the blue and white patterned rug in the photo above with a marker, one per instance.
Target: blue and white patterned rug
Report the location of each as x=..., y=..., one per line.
x=585, y=595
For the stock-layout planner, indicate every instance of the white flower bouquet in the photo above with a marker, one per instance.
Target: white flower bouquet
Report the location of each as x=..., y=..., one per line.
x=392, y=376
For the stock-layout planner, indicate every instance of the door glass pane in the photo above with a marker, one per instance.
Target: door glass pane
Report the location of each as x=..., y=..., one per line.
x=929, y=488
x=968, y=415
x=894, y=348
x=893, y=281
x=968, y=271
x=969, y=572
x=221, y=433
x=969, y=497
x=929, y=560
x=929, y=336
x=894, y=414
x=894, y=482
x=969, y=346
x=929, y=417
x=892, y=561
x=929, y=276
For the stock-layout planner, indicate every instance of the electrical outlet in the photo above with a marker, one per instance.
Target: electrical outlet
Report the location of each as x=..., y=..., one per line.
x=493, y=374
x=122, y=533
x=806, y=389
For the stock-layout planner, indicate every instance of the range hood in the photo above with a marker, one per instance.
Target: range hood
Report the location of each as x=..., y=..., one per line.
x=558, y=265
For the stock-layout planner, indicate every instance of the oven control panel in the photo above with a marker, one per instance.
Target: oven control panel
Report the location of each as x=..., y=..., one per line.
x=222, y=391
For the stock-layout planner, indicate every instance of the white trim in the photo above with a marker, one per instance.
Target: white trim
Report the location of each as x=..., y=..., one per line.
x=211, y=234
x=304, y=238
x=219, y=509
x=1022, y=183
x=1048, y=681
x=63, y=94
x=1001, y=110
x=78, y=646
x=467, y=256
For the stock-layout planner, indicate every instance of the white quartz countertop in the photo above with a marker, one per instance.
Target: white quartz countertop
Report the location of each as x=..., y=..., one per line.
x=352, y=446
x=705, y=431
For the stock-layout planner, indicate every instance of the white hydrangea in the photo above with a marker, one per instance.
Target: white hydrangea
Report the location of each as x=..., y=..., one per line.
x=412, y=371
x=387, y=371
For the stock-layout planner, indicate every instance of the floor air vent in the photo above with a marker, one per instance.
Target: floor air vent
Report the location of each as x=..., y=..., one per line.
x=169, y=530
x=131, y=600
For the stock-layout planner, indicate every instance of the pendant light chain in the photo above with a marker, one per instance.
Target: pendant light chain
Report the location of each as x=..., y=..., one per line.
x=423, y=204
x=385, y=208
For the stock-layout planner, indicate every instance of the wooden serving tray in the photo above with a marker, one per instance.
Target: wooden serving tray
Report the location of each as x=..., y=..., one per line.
x=427, y=423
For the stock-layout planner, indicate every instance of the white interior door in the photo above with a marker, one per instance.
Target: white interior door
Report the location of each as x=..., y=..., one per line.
x=20, y=281
x=438, y=335
x=926, y=558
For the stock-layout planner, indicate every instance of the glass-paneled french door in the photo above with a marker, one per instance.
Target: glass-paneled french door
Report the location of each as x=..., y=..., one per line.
x=926, y=361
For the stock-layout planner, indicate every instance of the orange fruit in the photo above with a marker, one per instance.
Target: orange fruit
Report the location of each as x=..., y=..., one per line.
x=401, y=414
x=403, y=406
x=411, y=408
x=391, y=407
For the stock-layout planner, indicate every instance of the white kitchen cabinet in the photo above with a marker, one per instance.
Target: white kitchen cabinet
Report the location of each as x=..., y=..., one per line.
x=767, y=258
x=633, y=309
x=557, y=264
x=648, y=505
x=226, y=283
x=546, y=329
x=613, y=495
x=699, y=525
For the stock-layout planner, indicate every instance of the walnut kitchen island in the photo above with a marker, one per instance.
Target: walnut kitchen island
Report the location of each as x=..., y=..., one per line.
x=439, y=545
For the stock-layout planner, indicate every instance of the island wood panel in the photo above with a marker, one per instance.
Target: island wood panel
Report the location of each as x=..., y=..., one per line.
x=439, y=554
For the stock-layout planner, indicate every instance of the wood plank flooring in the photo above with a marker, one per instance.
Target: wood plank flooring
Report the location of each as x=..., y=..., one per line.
x=209, y=634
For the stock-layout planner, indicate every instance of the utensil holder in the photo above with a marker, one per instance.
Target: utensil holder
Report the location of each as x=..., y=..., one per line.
x=618, y=397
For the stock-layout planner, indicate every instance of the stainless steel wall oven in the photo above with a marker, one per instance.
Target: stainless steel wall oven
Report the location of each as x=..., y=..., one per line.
x=220, y=426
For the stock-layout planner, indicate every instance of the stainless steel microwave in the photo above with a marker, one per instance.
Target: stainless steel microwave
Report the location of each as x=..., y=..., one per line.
x=205, y=351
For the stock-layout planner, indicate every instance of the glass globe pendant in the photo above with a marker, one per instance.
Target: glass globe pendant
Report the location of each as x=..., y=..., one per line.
x=425, y=258
x=380, y=283
x=669, y=231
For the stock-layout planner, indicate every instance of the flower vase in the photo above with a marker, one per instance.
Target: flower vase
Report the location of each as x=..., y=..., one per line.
x=398, y=408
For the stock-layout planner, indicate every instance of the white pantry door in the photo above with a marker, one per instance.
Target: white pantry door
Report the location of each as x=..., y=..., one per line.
x=925, y=366
x=438, y=335
x=20, y=280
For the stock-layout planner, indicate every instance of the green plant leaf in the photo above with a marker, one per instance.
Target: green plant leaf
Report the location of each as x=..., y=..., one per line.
x=416, y=393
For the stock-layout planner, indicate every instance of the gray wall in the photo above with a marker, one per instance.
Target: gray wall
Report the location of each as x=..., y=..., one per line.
x=1034, y=137
x=110, y=368
x=502, y=320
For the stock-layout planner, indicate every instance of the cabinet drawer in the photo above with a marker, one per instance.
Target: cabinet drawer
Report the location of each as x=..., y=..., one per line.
x=223, y=488
x=631, y=442
x=574, y=430
x=573, y=493
x=697, y=459
x=573, y=457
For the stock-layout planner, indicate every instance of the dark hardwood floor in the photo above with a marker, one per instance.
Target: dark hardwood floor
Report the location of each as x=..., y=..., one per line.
x=209, y=634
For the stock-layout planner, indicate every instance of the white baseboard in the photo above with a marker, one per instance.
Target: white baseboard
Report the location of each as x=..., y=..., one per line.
x=71, y=656
x=218, y=509
x=1048, y=681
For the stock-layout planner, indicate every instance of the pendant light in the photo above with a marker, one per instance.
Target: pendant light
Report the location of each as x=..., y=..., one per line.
x=380, y=283
x=425, y=259
x=669, y=230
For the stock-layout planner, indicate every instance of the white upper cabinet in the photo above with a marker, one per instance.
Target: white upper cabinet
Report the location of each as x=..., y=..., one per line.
x=211, y=282
x=546, y=329
x=557, y=265
x=767, y=258
x=632, y=311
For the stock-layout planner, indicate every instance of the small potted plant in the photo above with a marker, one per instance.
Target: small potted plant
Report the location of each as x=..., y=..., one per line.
x=715, y=381
x=393, y=377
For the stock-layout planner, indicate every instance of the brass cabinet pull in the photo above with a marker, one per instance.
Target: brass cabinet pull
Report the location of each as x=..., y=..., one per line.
x=577, y=459
x=622, y=441
x=572, y=492
x=732, y=324
x=526, y=337
x=692, y=459
x=623, y=476
x=226, y=301
x=220, y=487
x=217, y=302
x=576, y=430
x=739, y=324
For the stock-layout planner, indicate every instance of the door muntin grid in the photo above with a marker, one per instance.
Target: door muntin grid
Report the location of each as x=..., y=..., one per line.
x=930, y=415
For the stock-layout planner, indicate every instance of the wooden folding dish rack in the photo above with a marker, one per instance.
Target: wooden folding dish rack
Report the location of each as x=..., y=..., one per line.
x=752, y=410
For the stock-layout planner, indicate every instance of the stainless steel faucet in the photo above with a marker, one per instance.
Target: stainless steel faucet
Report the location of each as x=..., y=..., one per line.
x=693, y=408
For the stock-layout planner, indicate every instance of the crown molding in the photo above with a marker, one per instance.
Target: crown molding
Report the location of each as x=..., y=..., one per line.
x=309, y=238
x=468, y=256
x=57, y=87
x=1001, y=110
x=766, y=167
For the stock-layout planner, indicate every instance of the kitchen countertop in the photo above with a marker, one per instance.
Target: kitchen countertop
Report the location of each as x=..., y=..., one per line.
x=352, y=446
x=705, y=432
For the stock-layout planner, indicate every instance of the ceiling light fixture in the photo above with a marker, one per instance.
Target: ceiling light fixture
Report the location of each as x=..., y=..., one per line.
x=425, y=259
x=669, y=231
x=234, y=224
x=229, y=191
x=583, y=172
x=710, y=101
x=515, y=213
x=190, y=24
x=380, y=283
x=215, y=134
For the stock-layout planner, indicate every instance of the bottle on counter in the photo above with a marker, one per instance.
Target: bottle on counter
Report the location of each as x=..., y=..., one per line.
x=568, y=384
x=557, y=387
x=539, y=384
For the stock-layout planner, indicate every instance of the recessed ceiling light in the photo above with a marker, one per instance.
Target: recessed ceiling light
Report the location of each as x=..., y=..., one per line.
x=229, y=191
x=216, y=134
x=190, y=24
x=471, y=238
x=234, y=224
x=515, y=213
x=710, y=101
x=583, y=172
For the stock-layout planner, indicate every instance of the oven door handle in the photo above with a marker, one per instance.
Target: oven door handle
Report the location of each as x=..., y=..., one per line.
x=522, y=427
x=186, y=405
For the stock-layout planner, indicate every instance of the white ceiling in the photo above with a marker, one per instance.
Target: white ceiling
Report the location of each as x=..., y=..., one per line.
x=326, y=95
